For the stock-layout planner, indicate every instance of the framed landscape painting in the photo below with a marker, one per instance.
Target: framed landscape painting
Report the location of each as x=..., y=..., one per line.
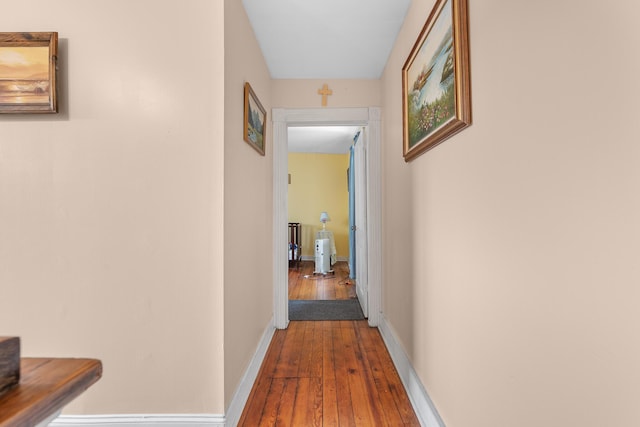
x=436, y=80
x=28, y=63
x=255, y=120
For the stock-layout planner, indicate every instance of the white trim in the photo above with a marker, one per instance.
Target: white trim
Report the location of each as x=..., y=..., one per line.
x=422, y=404
x=280, y=220
x=240, y=397
x=360, y=220
x=374, y=216
x=150, y=420
x=47, y=421
x=321, y=116
x=183, y=420
x=282, y=118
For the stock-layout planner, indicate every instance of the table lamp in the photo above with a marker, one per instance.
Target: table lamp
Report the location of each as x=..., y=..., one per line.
x=324, y=217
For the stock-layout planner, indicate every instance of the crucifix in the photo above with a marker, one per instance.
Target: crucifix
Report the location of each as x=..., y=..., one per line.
x=325, y=91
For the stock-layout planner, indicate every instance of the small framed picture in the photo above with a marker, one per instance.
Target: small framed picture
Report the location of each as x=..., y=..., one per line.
x=28, y=68
x=255, y=120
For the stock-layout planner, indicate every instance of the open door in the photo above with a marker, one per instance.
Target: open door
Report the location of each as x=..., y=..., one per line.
x=361, y=260
x=352, y=210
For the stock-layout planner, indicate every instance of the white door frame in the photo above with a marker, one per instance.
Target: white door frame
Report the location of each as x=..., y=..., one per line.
x=282, y=118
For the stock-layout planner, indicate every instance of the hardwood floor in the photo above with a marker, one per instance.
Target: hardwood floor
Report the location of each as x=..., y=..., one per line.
x=303, y=284
x=327, y=373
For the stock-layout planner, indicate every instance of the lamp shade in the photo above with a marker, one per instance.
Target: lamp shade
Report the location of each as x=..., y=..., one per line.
x=324, y=217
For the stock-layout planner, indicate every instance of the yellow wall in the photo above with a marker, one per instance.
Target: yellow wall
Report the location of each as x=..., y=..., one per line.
x=319, y=183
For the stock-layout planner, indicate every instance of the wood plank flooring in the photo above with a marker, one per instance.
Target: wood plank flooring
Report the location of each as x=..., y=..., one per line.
x=327, y=373
x=304, y=285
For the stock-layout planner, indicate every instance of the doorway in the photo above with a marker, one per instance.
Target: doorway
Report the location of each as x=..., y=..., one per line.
x=282, y=120
x=318, y=184
x=320, y=200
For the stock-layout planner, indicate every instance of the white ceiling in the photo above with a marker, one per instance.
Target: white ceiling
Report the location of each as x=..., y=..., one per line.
x=325, y=139
x=325, y=39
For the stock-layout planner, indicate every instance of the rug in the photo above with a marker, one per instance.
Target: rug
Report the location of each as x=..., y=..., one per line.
x=348, y=309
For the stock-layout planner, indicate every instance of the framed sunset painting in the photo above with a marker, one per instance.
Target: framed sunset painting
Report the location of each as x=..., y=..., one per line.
x=28, y=63
x=436, y=80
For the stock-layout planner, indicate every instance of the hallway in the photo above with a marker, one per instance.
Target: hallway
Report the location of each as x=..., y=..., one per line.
x=327, y=373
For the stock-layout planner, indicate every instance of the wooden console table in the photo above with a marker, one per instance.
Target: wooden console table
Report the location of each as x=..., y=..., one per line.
x=46, y=386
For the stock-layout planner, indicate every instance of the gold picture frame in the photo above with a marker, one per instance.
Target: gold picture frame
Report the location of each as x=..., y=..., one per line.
x=28, y=72
x=436, y=84
x=255, y=120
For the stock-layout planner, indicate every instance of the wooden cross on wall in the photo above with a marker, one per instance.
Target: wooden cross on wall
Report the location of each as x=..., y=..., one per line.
x=325, y=91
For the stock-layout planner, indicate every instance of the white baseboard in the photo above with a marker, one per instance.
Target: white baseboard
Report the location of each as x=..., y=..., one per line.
x=234, y=411
x=139, y=421
x=187, y=420
x=422, y=404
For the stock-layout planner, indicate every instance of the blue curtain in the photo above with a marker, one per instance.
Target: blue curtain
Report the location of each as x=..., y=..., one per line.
x=352, y=211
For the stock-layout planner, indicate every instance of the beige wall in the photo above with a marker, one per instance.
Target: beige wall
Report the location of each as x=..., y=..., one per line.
x=111, y=211
x=511, y=251
x=248, y=223
x=510, y=267
x=303, y=93
x=319, y=183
